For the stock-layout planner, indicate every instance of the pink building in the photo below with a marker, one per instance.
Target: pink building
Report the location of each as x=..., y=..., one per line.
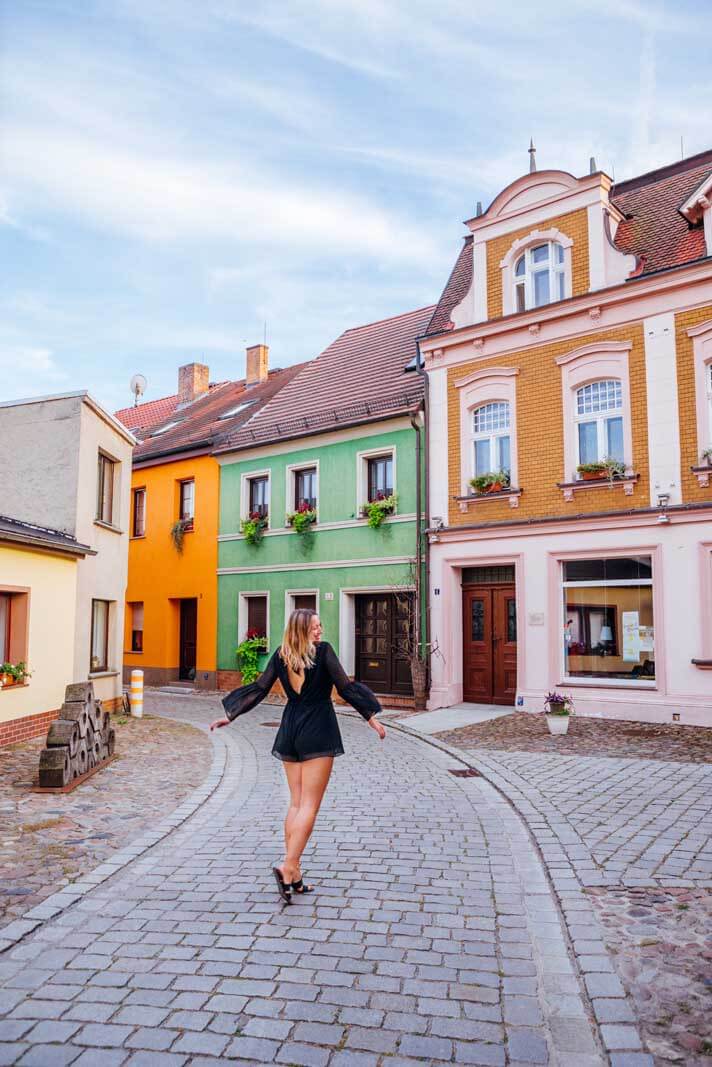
x=569, y=363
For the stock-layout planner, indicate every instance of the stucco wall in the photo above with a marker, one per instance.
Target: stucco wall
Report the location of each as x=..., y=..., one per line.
x=52, y=583
x=39, y=460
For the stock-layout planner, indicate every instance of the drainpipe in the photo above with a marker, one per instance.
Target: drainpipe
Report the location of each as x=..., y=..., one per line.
x=415, y=423
x=425, y=543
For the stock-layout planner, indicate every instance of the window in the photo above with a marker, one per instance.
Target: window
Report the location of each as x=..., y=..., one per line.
x=105, y=489
x=136, y=622
x=5, y=606
x=259, y=495
x=490, y=437
x=599, y=421
x=305, y=487
x=166, y=428
x=539, y=276
x=187, y=501
x=608, y=628
x=138, y=528
x=380, y=477
x=14, y=619
x=708, y=379
x=99, y=655
x=236, y=411
x=257, y=616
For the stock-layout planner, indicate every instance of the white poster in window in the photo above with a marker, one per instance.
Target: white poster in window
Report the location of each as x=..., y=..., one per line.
x=631, y=636
x=646, y=638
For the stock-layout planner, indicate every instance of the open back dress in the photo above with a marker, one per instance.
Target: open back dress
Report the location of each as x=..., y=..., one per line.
x=309, y=727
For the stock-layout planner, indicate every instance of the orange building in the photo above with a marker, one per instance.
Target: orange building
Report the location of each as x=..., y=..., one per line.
x=171, y=597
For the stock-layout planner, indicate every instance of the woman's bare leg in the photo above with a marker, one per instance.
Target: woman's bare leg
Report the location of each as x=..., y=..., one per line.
x=315, y=777
x=293, y=772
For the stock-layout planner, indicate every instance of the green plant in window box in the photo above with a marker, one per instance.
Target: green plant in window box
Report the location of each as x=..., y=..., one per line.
x=253, y=527
x=377, y=510
x=302, y=519
x=250, y=656
x=13, y=673
x=606, y=468
x=706, y=457
x=178, y=530
x=491, y=482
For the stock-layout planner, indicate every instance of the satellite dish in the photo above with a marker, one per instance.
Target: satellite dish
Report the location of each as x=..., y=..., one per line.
x=138, y=387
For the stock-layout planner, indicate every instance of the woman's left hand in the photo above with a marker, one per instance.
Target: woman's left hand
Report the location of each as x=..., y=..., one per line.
x=377, y=726
x=218, y=723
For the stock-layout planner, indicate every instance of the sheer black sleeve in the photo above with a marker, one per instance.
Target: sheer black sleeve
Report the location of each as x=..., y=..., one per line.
x=359, y=696
x=249, y=696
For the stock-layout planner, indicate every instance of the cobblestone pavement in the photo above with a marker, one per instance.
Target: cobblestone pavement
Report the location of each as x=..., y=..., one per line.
x=524, y=732
x=48, y=839
x=433, y=936
x=635, y=835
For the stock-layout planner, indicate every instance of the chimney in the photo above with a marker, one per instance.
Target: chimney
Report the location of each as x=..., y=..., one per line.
x=257, y=366
x=193, y=381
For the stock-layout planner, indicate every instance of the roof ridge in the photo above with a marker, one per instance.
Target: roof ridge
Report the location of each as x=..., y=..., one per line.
x=388, y=318
x=660, y=173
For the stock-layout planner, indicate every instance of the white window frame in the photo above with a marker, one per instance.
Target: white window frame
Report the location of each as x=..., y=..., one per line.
x=245, y=494
x=492, y=385
x=600, y=418
x=362, y=459
x=593, y=681
x=554, y=267
x=115, y=502
x=291, y=478
x=523, y=246
x=492, y=436
x=181, y=482
x=290, y=594
x=242, y=612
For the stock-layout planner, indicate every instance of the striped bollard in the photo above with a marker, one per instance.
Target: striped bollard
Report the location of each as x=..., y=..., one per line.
x=136, y=695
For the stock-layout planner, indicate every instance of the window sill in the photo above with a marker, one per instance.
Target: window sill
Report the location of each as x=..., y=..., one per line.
x=511, y=494
x=107, y=526
x=628, y=481
x=17, y=685
x=103, y=674
x=138, y=537
x=702, y=664
x=129, y=652
x=703, y=475
x=609, y=683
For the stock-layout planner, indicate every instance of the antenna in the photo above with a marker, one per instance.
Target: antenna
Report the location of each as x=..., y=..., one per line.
x=138, y=387
x=682, y=147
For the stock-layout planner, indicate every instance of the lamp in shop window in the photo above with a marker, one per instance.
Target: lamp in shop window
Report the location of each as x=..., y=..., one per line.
x=606, y=637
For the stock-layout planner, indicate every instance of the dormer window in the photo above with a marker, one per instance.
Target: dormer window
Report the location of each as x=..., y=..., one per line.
x=539, y=276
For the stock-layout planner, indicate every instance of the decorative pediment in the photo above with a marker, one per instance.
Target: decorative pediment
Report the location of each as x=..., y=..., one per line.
x=529, y=190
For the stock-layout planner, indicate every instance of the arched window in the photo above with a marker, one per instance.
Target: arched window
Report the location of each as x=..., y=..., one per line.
x=708, y=379
x=599, y=421
x=490, y=438
x=539, y=276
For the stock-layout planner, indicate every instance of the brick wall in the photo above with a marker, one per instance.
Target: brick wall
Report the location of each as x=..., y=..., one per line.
x=573, y=225
x=690, y=447
x=29, y=726
x=540, y=434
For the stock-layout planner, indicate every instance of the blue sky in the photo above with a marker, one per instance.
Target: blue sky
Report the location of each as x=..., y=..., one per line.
x=177, y=173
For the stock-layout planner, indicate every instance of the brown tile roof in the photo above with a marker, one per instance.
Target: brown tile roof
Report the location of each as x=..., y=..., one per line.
x=654, y=230
x=142, y=416
x=203, y=424
x=361, y=376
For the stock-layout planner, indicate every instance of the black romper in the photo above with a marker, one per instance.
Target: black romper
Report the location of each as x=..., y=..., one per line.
x=309, y=728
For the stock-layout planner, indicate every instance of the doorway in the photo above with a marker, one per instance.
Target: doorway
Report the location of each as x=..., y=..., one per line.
x=188, y=639
x=382, y=625
x=489, y=655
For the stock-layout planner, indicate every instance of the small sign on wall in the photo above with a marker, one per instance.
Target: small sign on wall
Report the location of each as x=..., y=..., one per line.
x=328, y=596
x=536, y=618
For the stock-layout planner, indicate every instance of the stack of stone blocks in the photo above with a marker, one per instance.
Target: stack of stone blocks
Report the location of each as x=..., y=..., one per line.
x=79, y=739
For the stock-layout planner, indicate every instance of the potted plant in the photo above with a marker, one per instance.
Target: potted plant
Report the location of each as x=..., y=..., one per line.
x=706, y=457
x=302, y=519
x=492, y=482
x=558, y=708
x=14, y=673
x=250, y=656
x=377, y=510
x=253, y=527
x=6, y=676
x=178, y=530
x=591, y=472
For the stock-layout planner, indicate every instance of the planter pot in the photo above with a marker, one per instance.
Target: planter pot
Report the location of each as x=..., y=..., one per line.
x=593, y=476
x=496, y=487
x=558, y=724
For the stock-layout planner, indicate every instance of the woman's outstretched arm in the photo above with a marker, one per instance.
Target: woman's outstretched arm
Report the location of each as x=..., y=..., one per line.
x=247, y=697
x=359, y=696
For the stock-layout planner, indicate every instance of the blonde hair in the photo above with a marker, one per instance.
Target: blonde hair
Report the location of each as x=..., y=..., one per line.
x=297, y=650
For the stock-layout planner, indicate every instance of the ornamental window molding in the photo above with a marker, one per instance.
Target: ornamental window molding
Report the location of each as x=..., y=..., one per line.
x=492, y=385
x=522, y=247
x=701, y=337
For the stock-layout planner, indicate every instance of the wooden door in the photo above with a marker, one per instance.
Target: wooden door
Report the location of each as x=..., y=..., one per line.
x=489, y=659
x=381, y=657
x=188, y=638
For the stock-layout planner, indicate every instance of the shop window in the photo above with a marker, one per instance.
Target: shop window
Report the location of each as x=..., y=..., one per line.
x=608, y=624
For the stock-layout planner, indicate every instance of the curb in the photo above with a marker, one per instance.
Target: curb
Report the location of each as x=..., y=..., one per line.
x=63, y=899
x=617, y=1057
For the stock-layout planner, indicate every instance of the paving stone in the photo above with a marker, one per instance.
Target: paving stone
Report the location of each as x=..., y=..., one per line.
x=479, y=1053
x=151, y=1038
x=417, y=1045
x=102, y=1035
x=303, y=1055
x=527, y=1046
x=253, y=1048
x=618, y=1036
x=101, y=1057
x=204, y=1043
x=49, y=1056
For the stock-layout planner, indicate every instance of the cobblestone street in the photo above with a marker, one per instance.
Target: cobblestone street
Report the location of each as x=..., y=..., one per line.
x=433, y=937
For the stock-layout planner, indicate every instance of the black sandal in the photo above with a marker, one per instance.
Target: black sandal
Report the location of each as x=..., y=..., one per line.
x=284, y=888
x=300, y=888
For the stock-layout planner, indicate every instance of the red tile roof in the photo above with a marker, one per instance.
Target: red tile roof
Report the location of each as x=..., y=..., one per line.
x=205, y=422
x=359, y=377
x=654, y=230
x=142, y=416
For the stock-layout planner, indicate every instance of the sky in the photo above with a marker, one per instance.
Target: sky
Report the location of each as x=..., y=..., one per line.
x=180, y=179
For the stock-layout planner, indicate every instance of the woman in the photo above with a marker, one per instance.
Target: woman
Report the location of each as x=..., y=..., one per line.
x=308, y=738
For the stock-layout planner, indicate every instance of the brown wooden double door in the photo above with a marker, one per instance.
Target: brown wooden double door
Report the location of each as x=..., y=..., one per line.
x=382, y=624
x=489, y=655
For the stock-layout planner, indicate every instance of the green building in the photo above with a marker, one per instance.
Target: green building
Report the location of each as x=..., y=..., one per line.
x=343, y=435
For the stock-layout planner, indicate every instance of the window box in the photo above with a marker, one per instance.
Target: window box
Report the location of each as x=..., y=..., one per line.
x=702, y=474
x=627, y=480
x=509, y=493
